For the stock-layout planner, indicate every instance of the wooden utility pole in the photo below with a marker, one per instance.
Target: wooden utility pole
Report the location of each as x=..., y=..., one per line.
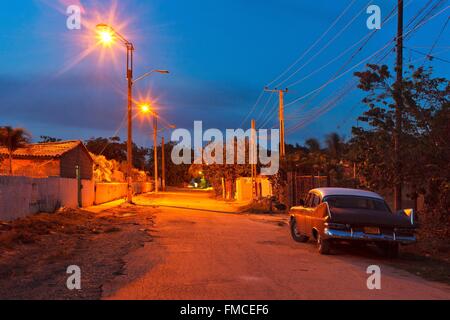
x=252, y=151
x=398, y=111
x=155, y=149
x=281, y=118
x=163, y=167
x=130, y=50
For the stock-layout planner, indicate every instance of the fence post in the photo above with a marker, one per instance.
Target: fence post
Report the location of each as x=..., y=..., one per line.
x=79, y=186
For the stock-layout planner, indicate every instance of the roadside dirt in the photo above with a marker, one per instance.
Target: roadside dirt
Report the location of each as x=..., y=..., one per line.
x=36, y=251
x=429, y=258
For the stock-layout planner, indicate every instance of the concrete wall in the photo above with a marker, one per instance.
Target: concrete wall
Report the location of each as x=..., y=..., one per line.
x=46, y=167
x=21, y=196
x=244, y=188
x=106, y=192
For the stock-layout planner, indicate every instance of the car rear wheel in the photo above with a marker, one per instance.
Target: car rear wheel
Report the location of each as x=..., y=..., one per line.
x=393, y=250
x=324, y=245
x=390, y=250
x=296, y=235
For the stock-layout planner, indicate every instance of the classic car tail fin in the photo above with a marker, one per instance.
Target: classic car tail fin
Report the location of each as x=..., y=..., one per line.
x=412, y=216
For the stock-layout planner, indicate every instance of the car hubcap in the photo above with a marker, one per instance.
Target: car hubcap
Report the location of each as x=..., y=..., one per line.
x=294, y=229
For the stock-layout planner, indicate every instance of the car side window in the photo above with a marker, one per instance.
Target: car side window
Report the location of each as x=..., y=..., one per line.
x=308, y=200
x=315, y=201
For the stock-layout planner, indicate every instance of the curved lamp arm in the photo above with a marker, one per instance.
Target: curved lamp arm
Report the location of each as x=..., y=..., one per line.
x=145, y=75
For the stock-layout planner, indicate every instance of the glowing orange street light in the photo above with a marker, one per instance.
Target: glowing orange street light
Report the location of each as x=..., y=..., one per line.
x=145, y=108
x=107, y=36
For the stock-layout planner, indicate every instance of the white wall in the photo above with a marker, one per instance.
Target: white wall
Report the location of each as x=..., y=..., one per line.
x=106, y=192
x=18, y=197
x=21, y=196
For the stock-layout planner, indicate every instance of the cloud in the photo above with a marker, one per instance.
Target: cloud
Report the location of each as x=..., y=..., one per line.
x=92, y=103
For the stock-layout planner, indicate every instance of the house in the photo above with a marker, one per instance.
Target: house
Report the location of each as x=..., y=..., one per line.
x=54, y=159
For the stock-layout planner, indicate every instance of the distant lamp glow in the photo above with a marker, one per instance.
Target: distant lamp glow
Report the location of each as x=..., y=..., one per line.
x=145, y=108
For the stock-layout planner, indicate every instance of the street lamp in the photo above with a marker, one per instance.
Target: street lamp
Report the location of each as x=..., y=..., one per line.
x=149, y=73
x=145, y=108
x=107, y=36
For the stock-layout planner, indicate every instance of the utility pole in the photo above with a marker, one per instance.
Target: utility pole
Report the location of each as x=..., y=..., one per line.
x=281, y=118
x=155, y=149
x=130, y=50
x=163, y=167
x=252, y=151
x=398, y=97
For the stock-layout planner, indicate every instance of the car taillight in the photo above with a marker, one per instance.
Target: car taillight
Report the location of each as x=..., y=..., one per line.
x=337, y=226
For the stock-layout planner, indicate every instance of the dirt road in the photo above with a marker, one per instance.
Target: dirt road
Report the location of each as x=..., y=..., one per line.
x=208, y=255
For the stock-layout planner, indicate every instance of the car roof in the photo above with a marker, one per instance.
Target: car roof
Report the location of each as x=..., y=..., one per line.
x=325, y=192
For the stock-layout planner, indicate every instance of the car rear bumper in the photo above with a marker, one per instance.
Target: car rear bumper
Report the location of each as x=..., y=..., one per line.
x=352, y=235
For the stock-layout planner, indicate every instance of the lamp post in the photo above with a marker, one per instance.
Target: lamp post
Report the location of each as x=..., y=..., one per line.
x=145, y=108
x=155, y=149
x=163, y=162
x=107, y=35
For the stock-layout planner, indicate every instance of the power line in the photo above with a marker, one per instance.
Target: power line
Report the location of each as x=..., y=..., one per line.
x=327, y=107
x=367, y=37
x=333, y=79
x=298, y=60
x=348, y=60
x=324, y=47
x=428, y=56
x=439, y=36
x=313, y=45
x=252, y=109
x=265, y=107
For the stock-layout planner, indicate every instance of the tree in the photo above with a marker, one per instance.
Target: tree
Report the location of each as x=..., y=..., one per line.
x=47, y=139
x=425, y=151
x=13, y=139
x=229, y=173
x=176, y=175
x=113, y=149
x=334, y=153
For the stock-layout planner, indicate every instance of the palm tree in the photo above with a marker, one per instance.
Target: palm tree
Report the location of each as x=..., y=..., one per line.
x=334, y=145
x=316, y=157
x=335, y=150
x=313, y=145
x=13, y=139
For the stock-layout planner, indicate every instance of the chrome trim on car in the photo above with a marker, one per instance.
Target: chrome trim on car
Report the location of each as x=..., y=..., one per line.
x=357, y=235
x=328, y=209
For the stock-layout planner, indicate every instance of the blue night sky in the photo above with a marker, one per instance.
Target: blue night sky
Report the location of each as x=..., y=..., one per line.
x=221, y=54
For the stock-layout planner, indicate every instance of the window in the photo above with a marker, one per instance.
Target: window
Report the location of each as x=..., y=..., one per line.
x=308, y=200
x=315, y=201
x=355, y=202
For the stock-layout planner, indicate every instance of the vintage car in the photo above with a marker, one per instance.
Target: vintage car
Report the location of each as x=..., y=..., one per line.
x=330, y=215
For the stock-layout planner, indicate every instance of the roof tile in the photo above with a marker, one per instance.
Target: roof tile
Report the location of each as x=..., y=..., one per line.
x=52, y=149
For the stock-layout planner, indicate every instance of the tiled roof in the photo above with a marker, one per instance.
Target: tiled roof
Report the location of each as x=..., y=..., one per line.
x=51, y=149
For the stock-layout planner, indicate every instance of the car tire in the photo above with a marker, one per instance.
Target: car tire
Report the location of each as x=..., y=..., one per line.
x=324, y=245
x=393, y=250
x=297, y=236
x=390, y=250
